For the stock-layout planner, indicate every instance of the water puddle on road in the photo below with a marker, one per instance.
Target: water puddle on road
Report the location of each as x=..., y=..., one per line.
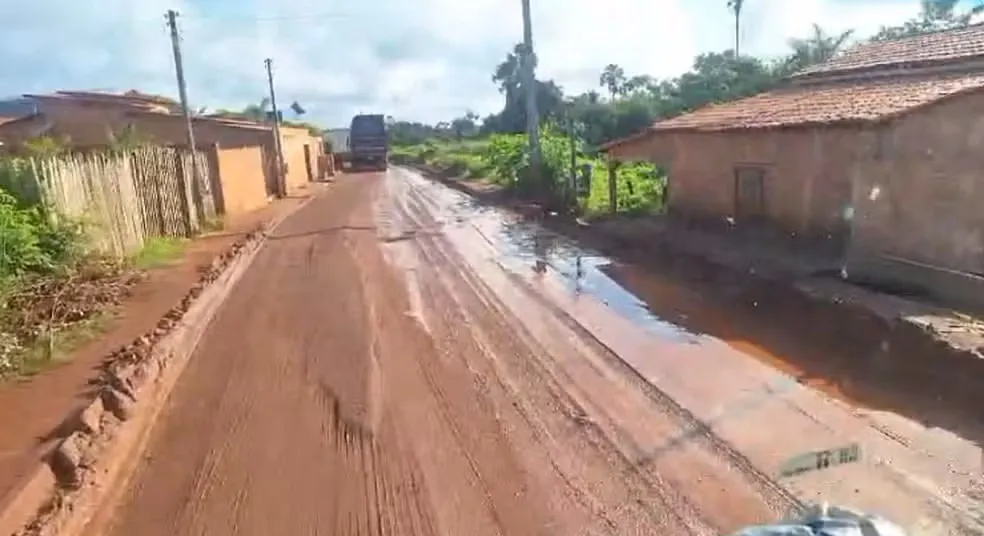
x=803, y=345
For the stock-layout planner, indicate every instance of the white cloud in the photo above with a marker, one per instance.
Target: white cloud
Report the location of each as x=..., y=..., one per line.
x=427, y=60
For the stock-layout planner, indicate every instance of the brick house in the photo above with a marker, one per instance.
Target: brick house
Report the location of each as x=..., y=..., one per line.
x=882, y=147
x=86, y=119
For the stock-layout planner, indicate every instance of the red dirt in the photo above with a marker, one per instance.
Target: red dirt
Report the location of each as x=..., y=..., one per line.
x=377, y=371
x=319, y=403
x=32, y=411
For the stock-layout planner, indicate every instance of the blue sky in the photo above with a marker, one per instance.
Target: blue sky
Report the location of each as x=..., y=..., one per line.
x=425, y=60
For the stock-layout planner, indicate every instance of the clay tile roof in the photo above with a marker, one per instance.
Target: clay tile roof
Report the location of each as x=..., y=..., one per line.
x=937, y=47
x=856, y=102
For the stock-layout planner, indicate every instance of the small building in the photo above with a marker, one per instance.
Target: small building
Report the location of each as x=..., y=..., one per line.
x=881, y=147
x=88, y=119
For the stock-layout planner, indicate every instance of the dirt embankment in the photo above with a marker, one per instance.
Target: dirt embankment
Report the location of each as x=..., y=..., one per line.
x=103, y=424
x=888, y=343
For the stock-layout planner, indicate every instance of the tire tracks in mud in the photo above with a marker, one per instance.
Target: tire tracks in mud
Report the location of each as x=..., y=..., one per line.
x=454, y=272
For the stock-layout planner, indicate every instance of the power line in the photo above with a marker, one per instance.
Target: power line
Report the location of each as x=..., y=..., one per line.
x=272, y=18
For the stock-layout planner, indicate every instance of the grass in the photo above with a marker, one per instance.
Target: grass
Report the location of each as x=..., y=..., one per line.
x=57, y=348
x=159, y=252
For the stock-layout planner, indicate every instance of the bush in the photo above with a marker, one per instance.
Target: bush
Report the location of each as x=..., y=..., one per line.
x=31, y=242
x=639, y=189
x=504, y=158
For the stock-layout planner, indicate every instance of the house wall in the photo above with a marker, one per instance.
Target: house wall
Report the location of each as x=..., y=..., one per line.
x=242, y=179
x=808, y=172
x=919, y=194
x=294, y=141
x=807, y=186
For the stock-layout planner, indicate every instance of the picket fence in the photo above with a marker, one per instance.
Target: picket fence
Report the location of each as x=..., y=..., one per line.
x=125, y=198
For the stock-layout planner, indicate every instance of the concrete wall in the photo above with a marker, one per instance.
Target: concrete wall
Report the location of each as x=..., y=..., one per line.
x=808, y=173
x=242, y=179
x=920, y=193
x=297, y=161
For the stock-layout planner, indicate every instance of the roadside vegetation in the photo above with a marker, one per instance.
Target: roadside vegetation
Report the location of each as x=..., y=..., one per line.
x=495, y=148
x=503, y=160
x=54, y=295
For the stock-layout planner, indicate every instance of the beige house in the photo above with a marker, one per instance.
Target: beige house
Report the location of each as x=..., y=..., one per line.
x=882, y=147
x=93, y=119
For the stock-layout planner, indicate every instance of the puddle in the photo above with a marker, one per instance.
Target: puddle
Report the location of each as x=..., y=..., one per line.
x=525, y=246
x=788, y=336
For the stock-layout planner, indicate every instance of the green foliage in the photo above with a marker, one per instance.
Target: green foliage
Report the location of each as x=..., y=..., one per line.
x=30, y=242
x=159, y=251
x=17, y=178
x=32, y=238
x=44, y=146
x=636, y=100
x=504, y=159
x=632, y=103
x=934, y=15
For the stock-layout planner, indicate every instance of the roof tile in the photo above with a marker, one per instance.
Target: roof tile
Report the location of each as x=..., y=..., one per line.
x=936, y=47
x=869, y=101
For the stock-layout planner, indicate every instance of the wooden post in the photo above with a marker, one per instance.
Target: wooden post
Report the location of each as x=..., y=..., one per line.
x=185, y=197
x=215, y=176
x=612, y=187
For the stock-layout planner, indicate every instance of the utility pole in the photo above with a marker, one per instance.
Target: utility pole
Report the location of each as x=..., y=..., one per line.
x=278, y=146
x=529, y=82
x=172, y=23
x=572, y=184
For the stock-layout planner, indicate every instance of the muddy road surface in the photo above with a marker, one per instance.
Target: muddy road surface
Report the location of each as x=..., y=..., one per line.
x=398, y=360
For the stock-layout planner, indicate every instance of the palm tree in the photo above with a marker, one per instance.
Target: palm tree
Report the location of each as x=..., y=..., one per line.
x=613, y=79
x=816, y=49
x=735, y=7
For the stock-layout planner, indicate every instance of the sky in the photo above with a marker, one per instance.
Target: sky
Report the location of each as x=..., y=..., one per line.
x=423, y=60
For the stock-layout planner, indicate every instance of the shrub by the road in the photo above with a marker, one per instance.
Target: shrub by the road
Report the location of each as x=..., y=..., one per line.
x=48, y=286
x=504, y=159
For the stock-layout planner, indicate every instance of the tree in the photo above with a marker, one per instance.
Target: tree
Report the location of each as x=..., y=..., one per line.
x=465, y=125
x=507, y=75
x=512, y=118
x=735, y=6
x=934, y=15
x=613, y=79
x=257, y=112
x=642, y=82
x=815, y=49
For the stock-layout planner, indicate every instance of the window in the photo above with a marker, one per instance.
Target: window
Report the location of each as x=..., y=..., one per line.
x=749, y=192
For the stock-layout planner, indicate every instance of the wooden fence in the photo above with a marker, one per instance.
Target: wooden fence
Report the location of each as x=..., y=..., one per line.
x=124, y=198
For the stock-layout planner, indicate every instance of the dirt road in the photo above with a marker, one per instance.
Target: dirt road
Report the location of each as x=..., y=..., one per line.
x=391, y=364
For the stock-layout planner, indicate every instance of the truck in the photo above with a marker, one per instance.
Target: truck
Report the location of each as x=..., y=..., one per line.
x=368, y=142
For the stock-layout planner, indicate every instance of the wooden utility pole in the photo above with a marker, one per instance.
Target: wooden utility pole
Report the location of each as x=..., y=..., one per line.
x=529, y=82
x=172, y=23
x=572, y=183
x=277, y=142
